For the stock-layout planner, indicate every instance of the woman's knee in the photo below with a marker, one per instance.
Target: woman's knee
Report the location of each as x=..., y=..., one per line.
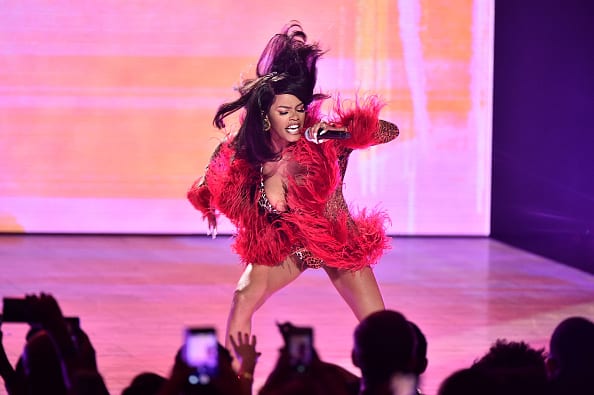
x=249, y=296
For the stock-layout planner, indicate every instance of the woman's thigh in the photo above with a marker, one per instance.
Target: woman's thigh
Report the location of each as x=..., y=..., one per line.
x=358, y=288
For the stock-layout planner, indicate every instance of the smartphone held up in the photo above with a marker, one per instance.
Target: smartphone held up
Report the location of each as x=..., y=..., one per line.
x=200, y=351
x=16, y=310
x=299, y=344
x=300, y=347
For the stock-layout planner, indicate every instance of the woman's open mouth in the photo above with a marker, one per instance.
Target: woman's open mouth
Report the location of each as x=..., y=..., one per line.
x=293, y=129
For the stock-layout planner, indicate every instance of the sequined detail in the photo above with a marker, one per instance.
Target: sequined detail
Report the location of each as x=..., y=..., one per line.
x=307, y=259
x=387, y=132
x=263, y=199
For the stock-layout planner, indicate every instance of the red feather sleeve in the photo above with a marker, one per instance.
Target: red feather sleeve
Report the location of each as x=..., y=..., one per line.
x=361, y=118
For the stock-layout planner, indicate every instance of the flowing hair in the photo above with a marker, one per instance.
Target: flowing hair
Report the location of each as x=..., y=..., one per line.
x=286, y=66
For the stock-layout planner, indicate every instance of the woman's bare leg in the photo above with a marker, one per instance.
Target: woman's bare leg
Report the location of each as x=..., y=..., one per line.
x=359, y=289
x=255, y=285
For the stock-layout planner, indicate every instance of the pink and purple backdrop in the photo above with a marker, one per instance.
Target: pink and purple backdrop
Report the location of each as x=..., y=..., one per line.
x=106, y=106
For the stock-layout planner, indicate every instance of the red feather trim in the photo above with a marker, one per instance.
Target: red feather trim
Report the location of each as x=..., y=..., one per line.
x=361, y=118
x=199, y=195
x=332, y=234
x=315, y=177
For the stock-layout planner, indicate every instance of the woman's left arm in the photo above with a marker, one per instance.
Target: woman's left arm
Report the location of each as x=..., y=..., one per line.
x=362, y=121
x=386, y=132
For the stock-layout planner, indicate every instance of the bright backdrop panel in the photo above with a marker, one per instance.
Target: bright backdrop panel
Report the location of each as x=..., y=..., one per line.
x=106, y=106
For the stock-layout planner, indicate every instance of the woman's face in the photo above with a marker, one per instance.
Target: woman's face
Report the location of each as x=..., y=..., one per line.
x=286, y=116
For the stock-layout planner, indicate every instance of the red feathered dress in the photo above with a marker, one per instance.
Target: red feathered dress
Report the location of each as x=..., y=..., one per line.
x=318, y=228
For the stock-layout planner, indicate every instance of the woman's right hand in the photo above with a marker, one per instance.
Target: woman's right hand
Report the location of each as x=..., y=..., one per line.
x=312, y=133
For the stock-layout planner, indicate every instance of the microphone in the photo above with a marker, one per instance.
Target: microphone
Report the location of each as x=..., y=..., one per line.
x=326, y=134
x=333, y=134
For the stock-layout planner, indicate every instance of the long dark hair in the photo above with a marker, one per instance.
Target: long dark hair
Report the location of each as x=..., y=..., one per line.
x=287, y=65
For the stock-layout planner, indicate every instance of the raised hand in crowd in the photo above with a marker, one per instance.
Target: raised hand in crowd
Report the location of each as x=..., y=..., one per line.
x=245, y=351
x=185, y=379
x=7, y=371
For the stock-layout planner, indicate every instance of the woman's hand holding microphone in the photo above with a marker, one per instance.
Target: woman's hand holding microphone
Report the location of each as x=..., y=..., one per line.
x=322, y=131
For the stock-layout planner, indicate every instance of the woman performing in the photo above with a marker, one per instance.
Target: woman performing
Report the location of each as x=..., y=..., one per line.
x=279, y=180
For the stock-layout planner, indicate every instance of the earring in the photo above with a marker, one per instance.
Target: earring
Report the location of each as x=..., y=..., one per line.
x=266, y=124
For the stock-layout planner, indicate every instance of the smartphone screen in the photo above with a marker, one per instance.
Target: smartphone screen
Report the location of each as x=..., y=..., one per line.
x=301, y=347
x=200, y=351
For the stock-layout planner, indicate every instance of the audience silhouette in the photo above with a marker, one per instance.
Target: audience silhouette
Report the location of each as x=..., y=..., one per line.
x=468, y=381
x=58, y=357
x=570, y=364
x=517, y=368
x=145, y=383
x=384, y=350
x=390, y=351
x=301, y=371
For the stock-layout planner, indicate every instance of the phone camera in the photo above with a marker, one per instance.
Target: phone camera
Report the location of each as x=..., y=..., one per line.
x=198, y=378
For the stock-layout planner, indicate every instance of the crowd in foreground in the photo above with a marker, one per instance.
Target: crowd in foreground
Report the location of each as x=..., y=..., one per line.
x=389, y=350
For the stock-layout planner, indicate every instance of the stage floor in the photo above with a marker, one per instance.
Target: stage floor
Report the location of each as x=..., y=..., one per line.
x=135, y=295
